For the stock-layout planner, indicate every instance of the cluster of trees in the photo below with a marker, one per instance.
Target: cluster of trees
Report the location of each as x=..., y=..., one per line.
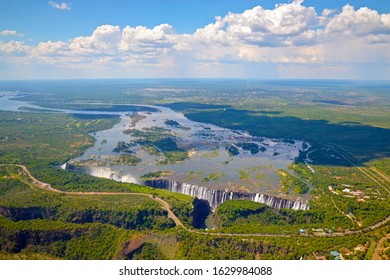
x=157, y=140
x=155, y=174
x=122, y=147
x=232, y=150
x=290, y=182
x=252, y=147
x=127, y=159
x=242, y=216
x=228, y=212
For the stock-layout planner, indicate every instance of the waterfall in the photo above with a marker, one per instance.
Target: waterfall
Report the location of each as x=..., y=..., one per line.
x=105, y=172
x=217, y=197
x=213, y=196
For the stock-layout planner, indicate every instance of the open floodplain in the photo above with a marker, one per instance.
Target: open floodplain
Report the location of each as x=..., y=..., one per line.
x=282, y=162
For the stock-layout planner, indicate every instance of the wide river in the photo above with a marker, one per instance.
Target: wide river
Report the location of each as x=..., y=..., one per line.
x=209, y=164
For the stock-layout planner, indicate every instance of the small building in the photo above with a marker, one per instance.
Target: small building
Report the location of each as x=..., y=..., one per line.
x=318, y=231
x=358, y=192
x=359, y=248
x=319, y=256
x=335, y=253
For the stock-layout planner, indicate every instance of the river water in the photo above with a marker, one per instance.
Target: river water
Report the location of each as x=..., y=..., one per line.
x=209, y=164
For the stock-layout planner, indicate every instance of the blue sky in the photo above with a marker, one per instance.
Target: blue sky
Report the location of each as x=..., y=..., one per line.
x=42, y=22
x=153, y=38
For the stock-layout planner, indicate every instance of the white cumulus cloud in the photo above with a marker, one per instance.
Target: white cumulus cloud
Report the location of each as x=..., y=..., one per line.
x=60, y=6
x=11, y=33
x=14, y=48
x=141, y=38
x=291, y=36
x=359, y=22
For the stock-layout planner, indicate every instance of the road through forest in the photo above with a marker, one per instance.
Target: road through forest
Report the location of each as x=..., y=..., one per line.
x=165, y=205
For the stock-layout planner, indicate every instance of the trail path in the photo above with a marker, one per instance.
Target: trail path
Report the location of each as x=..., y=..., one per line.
x=48, y=187
x=347, y=215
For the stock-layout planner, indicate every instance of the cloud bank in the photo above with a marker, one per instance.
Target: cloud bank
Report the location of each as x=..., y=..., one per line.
x=289, y=41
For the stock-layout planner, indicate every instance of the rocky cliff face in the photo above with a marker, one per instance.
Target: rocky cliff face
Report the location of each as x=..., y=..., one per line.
x=217, y=197
x=133, y=219
x=17, y=214
x=20, y=239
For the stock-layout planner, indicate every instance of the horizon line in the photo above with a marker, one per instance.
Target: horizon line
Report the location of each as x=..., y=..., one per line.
x=197, y=78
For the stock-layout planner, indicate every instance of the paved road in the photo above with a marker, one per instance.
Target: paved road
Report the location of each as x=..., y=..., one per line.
x=166, y=206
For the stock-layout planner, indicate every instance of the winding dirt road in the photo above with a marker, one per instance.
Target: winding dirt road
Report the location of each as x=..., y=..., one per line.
x=165, y=205
x=378, y=247
x=48, y=187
